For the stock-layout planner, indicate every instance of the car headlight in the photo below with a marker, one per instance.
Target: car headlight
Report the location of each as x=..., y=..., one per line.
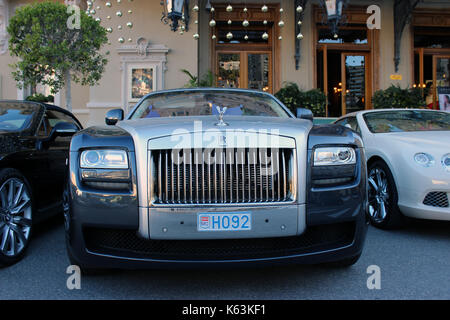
x=446, y=162
x=332, y=156
x=104, y=159
x=424, y=159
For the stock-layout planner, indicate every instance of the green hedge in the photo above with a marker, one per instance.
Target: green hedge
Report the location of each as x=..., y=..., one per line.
x=396, y=97
x=41, y=98
x=293, y=98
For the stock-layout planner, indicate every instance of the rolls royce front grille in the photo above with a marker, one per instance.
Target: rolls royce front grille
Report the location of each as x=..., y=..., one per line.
x=220, y=176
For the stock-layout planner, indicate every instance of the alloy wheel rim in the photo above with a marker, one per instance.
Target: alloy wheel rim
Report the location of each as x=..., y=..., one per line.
x=379, y=199
x=15, y=217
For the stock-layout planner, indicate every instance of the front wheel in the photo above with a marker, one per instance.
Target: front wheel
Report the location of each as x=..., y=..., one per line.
x=383, y=197
x=16, y=212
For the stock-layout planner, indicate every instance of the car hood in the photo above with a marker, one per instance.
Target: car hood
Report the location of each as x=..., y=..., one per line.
x=161, y=127
x=420, y=140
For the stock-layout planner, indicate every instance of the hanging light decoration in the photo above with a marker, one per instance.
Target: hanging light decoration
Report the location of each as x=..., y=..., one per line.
x=212, y=22
x=281, y=22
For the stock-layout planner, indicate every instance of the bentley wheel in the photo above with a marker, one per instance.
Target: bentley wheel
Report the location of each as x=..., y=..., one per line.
x=383, y=197
x=15, y=216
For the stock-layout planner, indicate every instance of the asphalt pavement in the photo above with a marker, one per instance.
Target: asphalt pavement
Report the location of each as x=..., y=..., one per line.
x=414, y=263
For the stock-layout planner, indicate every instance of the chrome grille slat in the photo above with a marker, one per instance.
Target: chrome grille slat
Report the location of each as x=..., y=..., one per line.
x=283, y=161
x=178, y=177
x=227, y=177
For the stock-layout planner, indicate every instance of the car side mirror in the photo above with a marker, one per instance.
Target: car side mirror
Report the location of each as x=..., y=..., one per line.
x=61, y=129
x=114, y=116
x=303, y=113
x=64, y=129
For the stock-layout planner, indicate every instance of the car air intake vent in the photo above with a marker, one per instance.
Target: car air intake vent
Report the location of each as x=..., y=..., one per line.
x=223, y=175
x=436, y=199
x=127, y=243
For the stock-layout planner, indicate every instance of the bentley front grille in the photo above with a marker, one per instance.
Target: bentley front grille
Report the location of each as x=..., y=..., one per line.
x=436, y=199
x=220, y=176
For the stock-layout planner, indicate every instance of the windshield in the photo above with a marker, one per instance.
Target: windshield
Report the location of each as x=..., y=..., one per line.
x=407, y=121
x=16, y=117
x=205, y=103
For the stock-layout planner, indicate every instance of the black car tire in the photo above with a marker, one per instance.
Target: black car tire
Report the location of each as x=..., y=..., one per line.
x=393, y=217
x=5, y=175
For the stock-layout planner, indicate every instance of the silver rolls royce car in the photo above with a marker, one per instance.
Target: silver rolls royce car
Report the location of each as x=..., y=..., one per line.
x=214, y=177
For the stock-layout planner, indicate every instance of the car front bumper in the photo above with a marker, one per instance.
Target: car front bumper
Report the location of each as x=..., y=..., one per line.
x=415, y=184
x=103, y=232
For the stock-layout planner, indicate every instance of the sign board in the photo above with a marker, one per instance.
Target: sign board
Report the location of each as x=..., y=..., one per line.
x=397, y=77
x=444, y=98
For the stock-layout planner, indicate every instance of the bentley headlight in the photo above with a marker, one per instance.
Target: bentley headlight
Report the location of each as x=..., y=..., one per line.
x=104, y=159
x=424, y=159
x=332, y=156
x=446, y=162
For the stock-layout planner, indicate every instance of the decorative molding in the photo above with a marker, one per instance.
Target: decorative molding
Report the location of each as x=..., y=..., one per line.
x=143, y=54
x=3, y=24
x=81, y=111
x=431, y=18
x=103, y=105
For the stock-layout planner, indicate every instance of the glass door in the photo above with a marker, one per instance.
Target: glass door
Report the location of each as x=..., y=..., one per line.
x=229, y=70
x=355, y=87
x=244, y=69
x=259, y=71
x=441, y=74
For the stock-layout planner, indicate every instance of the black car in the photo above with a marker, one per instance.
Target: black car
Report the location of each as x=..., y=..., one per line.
x=215, y=177
x=34, y=146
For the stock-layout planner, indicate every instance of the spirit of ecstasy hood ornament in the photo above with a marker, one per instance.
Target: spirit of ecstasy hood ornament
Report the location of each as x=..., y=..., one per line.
x=221, y=111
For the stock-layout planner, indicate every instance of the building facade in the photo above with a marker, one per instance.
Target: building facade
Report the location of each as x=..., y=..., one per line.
x=408, y=44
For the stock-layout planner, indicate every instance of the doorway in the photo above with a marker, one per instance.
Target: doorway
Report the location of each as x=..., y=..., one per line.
x=344, y=77
x=246, y=56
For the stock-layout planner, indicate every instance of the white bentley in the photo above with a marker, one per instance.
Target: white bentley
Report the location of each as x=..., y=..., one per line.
x=408, y=154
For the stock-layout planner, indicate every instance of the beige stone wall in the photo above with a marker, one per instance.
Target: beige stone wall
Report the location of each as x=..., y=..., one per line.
x=146, y=17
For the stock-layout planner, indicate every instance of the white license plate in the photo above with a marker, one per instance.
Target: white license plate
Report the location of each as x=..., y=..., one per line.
x=224, y=221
